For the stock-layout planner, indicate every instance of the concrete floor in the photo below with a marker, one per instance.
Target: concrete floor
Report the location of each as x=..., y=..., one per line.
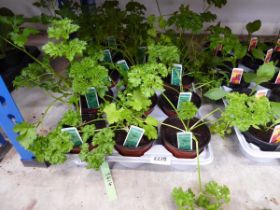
x=253, y=186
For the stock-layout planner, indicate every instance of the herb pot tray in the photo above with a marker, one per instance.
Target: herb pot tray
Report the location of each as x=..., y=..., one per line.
x=252, y=151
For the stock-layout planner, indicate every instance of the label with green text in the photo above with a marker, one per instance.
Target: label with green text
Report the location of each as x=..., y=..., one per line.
x=141, y=55
x=111, y=41
x=107, y=56
x=123, y=65
x=92, y=99
x=133, y=137
x=176, y=74
x=184, y=97
x=75, y=136
x=108, y=181
x=184, y=140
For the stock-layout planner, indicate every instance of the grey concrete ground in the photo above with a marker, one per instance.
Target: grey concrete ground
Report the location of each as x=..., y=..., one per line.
x=253, y=186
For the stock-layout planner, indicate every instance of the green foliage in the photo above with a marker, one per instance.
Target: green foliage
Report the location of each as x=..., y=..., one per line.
x=188, y=20
x=164, y=54
x=88, y=132
x=217, y=3
x=61, y=30
x=258, y=53
x=27, y=133
x=243, y=112
x=87, y=73
x=213, y=197
x=104, y=145
x=253, y=26
x=264, y=74
x=113, y=114
x=215, y=93
x=53, y=147
x=71, y=118
x=230, y=42
x=147, y=78
x=187, y=111
x=20, y=38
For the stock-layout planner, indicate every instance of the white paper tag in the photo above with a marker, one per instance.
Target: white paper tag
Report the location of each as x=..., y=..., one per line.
x=160, y=160
x=268, y=55
x=253, y=43
x=261, y=93
x=275, y=137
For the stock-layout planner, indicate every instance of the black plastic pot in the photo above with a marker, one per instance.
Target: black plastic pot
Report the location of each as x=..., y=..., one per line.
x=90, y=114
x=275, y=94
x=276, y=58
x=261, y=139
x=186, y=82
x=173, y=96
x=251, y=62
x=169, y=137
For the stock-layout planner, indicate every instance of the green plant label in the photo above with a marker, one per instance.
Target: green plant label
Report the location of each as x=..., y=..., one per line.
x=268, y=56
x=107, y=56
x=123, y=65
x=141, y=55
x=253, y=43
x=111, y=41
x=277, y=47
x=261, y=93
x=184, y=97
x=277, y=81
x=133, y=137
x=275, y=137
x=108, y=181
x=176, y=74
x=92, y=99
x=236, y=76
x=184, y=140
x=75, y=136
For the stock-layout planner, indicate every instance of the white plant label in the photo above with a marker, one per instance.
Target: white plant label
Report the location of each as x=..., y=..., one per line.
x=236, y=76
x=275, y=137
x=253, y=43
x=261, y=93
x=268, y=56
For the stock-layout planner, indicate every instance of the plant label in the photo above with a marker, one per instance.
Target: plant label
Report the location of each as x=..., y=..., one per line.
x=277, y=47
x=75, y=136
x=253, y=43
x=261, y=93
x=184, y=140
x=92, y=99
x=107, y=56
x=268, y=55
x=236, y=76
x=277, y=81
x=111, y=41
x=184, y=97
x=133, y=137
x=160, y=160
x=108, y=181
x=275, y=137
x=176, y=74
x=141, y=55
x=123, y=65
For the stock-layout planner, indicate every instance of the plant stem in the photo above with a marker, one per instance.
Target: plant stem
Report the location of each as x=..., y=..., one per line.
x=171, y=126
x=204, y=117
x=158, y=7
x=198, y=163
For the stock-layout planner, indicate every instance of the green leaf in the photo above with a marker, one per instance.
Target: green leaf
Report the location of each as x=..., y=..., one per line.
x=217, y=3
x=275, y=106
x=187, y=111
x=265, y=72
x=258, y=53
x=113, y=115
x=151, y=121
x=249, y=77
x=215, y=93
x=253, y=26
x=88, y=132
x=27, y=133
x=185, y=200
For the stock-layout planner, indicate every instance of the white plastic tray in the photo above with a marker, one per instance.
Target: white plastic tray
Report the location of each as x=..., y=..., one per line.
x=157, y=155
x=252, y=151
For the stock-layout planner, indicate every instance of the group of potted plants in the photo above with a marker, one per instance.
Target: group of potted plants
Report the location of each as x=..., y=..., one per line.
x=137, y=58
